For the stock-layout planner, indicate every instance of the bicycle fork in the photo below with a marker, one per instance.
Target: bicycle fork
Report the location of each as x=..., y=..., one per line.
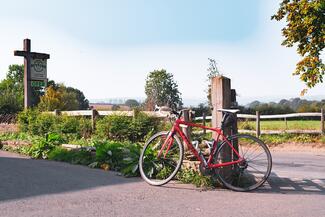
x=169, y=142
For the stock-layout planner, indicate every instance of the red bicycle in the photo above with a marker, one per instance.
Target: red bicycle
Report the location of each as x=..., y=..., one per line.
x=246, y=168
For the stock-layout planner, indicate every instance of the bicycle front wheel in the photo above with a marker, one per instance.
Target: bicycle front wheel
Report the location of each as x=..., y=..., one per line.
x=157, y=164
x=252, y=171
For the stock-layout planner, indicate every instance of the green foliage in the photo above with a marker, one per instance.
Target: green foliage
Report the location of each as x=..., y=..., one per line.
x=37, y=123
x=284, y=106
x=124, y=128
x=24, y=150
x=162, y=90
x=132, y=103
x=305, y=28
x=121, y=157
x=82, y=102
x=12, y=90
x=44, y=146
x=288, y=138
x=16, y=136
x=58, y=96
x=213, y=71
x=200, y=109
x=82, y=157
x=193, y=177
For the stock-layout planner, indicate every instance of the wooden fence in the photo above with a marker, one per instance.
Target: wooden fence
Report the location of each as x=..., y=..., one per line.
x=259, y=117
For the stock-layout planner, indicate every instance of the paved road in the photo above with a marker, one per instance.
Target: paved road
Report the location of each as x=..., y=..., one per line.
x=44, y=188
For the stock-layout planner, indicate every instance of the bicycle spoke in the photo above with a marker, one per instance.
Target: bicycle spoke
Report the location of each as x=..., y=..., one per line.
x=255, y=169
x=158, y=170
x=256, y=156
x=250, y=173
x=255, y=149
x=248, y=148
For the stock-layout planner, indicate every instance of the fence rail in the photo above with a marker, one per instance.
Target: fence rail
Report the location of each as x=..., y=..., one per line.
x=93, y=114
x=106, y=113
x=258, y=118
x=247, y=116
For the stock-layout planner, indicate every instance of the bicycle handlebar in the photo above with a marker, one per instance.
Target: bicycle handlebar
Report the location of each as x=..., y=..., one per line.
x=167, y=109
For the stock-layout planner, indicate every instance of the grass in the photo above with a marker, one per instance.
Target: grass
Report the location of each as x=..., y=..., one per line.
x=281, y=125
x=277, y=125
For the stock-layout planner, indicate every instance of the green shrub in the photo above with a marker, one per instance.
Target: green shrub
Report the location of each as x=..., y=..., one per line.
x=43, y=146
x=121, y=157
x=85, y=127
x=124, y=128
x=68, y=125
x=193, y=177
x=36, y=123
x=25, y=118
x=82, y=157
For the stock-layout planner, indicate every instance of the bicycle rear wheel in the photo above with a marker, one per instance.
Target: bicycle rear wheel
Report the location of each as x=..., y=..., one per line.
x=158, y=169
x=252, y=171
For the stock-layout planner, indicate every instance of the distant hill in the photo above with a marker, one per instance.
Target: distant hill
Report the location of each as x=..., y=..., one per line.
x=285, y=106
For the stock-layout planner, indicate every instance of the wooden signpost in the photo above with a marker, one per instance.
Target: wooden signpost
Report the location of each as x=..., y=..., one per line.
x=35, y=70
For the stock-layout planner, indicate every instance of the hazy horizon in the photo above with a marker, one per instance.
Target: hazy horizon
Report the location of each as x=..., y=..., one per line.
x=196, y=101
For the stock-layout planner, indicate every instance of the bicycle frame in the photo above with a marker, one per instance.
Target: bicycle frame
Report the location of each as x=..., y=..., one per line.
x=176, y=129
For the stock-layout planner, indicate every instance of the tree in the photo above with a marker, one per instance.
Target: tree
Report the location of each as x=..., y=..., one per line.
x=306, y=29
x=62, y=98
x=83, y=103
x=12, y=94
x=213, y=72
x=51, y=100
x=12, y=90
x=162, y=90
x=131, y=103
x=200, y=109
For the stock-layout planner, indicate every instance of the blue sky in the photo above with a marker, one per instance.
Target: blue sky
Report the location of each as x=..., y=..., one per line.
x=107, y=48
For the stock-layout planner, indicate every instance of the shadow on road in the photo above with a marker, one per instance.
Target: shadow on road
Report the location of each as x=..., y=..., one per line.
x=274, y=185
x=283, y=185
x=23, y=177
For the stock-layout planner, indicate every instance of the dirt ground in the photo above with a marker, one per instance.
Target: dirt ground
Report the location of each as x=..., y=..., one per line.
x=8, y=128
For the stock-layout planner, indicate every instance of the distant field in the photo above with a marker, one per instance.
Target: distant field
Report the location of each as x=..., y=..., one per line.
x=281, y=125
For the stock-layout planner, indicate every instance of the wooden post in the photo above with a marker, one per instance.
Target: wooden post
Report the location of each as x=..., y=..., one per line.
x=204, y=123
x=94, y=114
x=258, y=127
x=28, y=55
x=187, y=130
x=286, y=122
x=221, y=98
x=57, y=112
x=322, y=121
x=27, y=75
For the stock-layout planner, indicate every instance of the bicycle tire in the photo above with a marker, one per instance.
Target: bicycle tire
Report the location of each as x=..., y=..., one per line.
x=248, y=174
x=160, y=172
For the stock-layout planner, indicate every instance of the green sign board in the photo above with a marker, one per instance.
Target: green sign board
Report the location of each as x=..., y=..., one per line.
x=38, y=83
